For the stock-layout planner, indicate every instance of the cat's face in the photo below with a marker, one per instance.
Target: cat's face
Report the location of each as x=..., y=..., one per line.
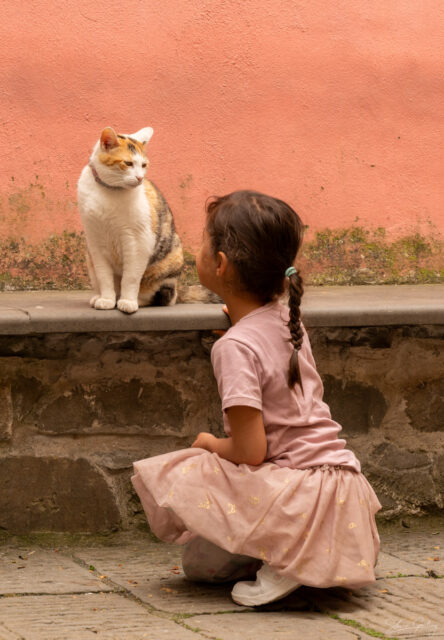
x=120, y=160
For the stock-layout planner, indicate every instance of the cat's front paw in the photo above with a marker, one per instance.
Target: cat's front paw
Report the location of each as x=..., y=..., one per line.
x=127, y=306
x=104, y=303
x=92, y=301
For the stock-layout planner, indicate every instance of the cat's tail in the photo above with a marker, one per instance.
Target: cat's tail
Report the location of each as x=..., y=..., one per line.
x=195, y=293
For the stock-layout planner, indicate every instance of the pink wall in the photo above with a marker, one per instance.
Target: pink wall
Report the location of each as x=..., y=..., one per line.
x=334, y=106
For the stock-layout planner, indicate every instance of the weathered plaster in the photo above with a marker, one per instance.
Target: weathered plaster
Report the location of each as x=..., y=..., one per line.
x=331, y=106
x=342, y=256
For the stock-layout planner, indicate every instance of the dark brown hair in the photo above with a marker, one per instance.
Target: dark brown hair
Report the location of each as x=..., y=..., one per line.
x=261, y=236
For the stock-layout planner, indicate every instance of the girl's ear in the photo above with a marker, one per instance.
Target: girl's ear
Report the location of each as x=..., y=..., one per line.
x=144, y=135
x=109, y=139
x=221, y=263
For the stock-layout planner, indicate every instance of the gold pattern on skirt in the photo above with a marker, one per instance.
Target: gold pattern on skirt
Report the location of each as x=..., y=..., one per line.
x=254, y=500
x=206, y=504
x=341, y=578
x=352, y=525
x=341, y=501
x=231, y=508
x=187, y=467
x=263, y=554
x=171, y=493
x=303, y=516
x=364, y=564
x=216, y=469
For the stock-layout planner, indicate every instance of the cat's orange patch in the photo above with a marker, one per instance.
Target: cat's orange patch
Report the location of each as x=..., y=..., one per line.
x=124, y=152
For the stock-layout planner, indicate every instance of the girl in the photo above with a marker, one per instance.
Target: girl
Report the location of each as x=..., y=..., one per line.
x=280, y=496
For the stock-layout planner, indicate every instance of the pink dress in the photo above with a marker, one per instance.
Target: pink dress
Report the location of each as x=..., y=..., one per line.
x=306, y=510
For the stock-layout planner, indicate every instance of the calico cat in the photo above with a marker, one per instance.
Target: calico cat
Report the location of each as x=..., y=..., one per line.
x=134, y=254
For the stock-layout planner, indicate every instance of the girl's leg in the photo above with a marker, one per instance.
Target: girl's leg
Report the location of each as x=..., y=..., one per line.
x=203, y=561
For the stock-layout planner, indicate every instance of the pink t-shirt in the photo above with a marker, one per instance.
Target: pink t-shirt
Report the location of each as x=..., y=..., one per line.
x=250, y=363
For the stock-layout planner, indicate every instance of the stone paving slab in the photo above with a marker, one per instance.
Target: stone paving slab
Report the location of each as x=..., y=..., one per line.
x=153, y=573
x=423, y=549
x=273, y=626
x=390, y=566
x=396, y=607
x=84, y=617
x=25, y=570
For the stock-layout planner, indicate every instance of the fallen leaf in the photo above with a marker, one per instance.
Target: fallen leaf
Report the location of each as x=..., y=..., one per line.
x=383, y=590
x=431, y=573
x=22, y=566
x=168, y=590
x=436, y=559
x=438, y=547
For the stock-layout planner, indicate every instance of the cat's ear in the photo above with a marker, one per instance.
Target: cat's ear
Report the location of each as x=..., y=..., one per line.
x=109, y=139
x=144, y=135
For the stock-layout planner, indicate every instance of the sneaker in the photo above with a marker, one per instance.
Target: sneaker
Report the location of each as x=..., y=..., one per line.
x=268, y=587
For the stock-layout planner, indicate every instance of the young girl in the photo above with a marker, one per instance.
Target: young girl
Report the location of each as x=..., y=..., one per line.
x=280, y=496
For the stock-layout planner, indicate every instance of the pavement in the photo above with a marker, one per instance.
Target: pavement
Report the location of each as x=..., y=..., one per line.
x=127, y=586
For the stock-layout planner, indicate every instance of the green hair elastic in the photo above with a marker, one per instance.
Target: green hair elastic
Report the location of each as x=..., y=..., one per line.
x=290, y=271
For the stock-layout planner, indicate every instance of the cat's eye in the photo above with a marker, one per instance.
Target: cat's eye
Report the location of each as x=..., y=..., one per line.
x=128, y=164
x=144, y=165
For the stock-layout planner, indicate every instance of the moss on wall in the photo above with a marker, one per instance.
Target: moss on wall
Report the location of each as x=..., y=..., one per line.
x=342, y=256
x=360, y=256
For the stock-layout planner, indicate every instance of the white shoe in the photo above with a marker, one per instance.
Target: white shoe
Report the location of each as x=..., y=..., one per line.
x=268, y=587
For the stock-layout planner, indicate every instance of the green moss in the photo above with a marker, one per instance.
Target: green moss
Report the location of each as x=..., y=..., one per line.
x=350, y=256
x=58, y=262
x=189, y=273
x=357, y=625
x=361, y=256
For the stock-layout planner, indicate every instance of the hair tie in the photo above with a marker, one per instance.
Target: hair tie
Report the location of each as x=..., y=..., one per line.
x=290, y=271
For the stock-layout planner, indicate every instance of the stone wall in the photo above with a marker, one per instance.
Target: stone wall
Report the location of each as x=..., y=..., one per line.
x=77, y=409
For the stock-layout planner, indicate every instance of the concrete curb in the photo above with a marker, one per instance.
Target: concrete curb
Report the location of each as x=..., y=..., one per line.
x=23, y=312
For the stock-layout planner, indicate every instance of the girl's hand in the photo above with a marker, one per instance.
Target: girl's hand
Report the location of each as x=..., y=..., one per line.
x=204, y=441
x=221, y=332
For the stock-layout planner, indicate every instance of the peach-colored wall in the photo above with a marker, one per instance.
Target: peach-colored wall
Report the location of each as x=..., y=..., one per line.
x=334, y=106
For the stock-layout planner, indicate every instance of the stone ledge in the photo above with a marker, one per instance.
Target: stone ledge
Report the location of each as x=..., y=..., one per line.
x=25, y=312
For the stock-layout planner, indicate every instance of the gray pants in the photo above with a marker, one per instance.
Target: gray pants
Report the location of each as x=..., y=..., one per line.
x=203, y=561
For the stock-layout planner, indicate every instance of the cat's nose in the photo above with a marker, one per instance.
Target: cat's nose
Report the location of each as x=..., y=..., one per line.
x=139, y=179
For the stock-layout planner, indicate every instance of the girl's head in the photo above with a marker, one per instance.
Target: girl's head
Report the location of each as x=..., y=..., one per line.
x=260, y=237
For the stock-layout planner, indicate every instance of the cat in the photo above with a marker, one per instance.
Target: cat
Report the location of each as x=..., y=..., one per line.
x=134, y=254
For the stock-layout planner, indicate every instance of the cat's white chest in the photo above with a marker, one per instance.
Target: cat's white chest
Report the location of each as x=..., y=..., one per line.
x=116, y=221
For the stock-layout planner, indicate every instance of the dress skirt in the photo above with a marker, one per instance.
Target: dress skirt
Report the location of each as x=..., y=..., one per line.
x=315, y=525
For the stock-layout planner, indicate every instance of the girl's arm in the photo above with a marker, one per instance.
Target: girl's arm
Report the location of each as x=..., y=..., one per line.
x=247, y=443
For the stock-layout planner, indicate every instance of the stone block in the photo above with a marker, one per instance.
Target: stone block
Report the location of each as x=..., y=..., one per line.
x=425, y=405
x=357, y=407
x=5, y=413
x=116, y=405
x=54, y=494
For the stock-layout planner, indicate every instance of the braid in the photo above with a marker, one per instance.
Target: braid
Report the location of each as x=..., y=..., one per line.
x=296, y=290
